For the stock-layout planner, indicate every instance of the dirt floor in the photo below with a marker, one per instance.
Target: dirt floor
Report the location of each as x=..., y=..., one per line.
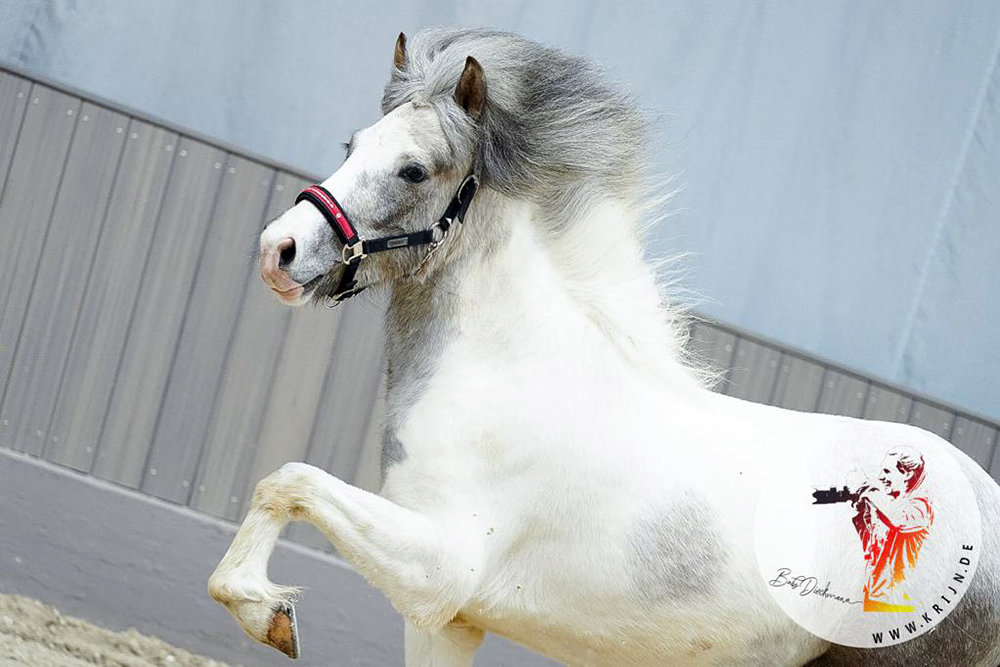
x=34, y=634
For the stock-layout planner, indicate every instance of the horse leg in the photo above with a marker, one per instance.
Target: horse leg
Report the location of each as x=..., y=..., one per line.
x=426, y=568
x=451, y=646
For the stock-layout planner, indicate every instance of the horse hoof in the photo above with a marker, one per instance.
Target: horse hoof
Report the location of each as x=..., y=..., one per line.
x=283, y=634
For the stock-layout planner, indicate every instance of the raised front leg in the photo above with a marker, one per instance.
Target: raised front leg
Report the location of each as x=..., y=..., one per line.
x=427, y=568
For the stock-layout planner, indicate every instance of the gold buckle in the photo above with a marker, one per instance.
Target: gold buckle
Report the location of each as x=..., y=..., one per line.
x=356, y=252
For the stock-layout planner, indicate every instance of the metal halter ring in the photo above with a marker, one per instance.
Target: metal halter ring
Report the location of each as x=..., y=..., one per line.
x=434, y=245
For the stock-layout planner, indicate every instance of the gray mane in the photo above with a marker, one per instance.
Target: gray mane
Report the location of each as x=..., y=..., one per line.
x=554, y=131
x=557, y=133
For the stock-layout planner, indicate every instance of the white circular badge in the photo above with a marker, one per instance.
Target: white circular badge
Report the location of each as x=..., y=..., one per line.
x=867, y=544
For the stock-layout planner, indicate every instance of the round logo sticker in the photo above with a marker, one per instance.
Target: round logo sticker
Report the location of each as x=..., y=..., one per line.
x=867, y=544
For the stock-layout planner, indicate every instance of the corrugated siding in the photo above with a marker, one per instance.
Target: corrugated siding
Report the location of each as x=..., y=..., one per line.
x=761, y=371
x=136, y=344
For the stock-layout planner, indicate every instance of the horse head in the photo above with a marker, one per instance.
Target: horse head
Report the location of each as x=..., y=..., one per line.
x=400, y=175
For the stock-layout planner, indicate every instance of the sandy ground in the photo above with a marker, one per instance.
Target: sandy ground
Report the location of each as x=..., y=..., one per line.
x=34, y=634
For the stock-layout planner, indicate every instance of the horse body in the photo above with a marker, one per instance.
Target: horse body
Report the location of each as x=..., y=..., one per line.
x=611, y=510
x=554, y=471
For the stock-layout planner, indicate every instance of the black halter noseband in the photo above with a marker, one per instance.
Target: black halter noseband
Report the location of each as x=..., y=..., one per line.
x=355, y=249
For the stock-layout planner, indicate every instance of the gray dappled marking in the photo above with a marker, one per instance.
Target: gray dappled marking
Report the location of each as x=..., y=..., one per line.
x=677, y=554
x=392, y=452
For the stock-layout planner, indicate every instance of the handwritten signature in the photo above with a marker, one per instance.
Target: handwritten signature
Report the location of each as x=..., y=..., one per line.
x=807, y=586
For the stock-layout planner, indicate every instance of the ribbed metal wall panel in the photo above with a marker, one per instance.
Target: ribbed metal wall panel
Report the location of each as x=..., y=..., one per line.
x=811, y=385
x=136, y=344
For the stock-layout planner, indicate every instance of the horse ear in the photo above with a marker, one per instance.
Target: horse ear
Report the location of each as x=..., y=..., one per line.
x=399, y=55
x=470, y=93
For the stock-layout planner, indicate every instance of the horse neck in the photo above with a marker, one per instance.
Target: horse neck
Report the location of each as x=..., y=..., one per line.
x=587, y=284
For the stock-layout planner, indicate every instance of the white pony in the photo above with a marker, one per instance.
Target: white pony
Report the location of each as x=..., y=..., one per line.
x=554, y=471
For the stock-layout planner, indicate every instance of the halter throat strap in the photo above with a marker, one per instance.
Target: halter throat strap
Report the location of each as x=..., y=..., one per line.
x=354, y=248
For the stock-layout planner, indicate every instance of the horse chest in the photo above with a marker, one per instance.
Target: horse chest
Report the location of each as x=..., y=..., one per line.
x=600, y=537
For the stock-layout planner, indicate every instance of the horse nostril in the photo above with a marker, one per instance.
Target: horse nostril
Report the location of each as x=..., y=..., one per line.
x=286, y=250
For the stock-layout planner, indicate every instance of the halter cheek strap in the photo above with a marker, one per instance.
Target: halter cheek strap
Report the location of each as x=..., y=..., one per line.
x=355, y=249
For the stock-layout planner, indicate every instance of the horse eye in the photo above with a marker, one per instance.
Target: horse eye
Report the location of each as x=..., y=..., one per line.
x=414, y=173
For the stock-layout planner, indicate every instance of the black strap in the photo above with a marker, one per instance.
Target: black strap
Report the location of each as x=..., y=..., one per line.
x=423, y=237
x=348, y=287
x=337, y=218
x=456, y=210
x=459, y=204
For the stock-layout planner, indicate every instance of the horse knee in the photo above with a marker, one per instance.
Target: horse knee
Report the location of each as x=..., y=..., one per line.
x=450, y=646
x=462, y=634
x=429, y=606
x=286, y=491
